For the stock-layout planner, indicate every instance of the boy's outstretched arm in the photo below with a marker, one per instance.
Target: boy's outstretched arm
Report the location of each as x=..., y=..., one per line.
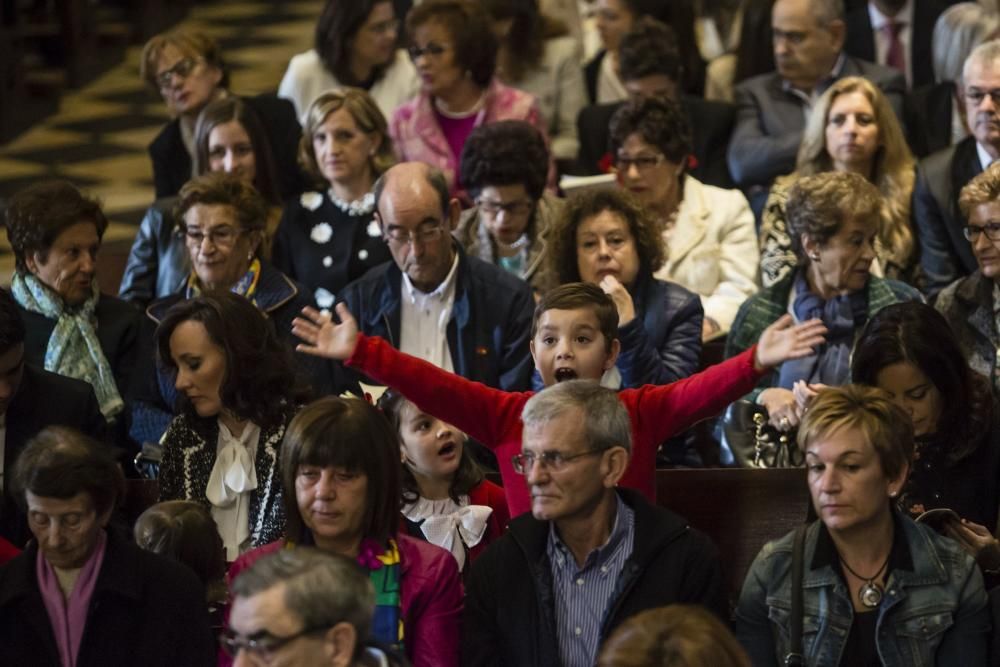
x=482, y=412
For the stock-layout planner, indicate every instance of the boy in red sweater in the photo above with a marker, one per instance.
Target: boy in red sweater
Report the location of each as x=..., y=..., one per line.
x=573, y=336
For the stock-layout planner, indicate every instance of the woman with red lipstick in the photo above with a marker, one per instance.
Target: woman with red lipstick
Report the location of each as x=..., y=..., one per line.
x=238, y=392
x=72, y=329
x=910, y=351
x=340, y=475
x=328, y=237
x=834, y=220
x=711, y=246
x=455, y=51
x=446, y=498
x=356, y=44
x=852, y=128
x=876, y=587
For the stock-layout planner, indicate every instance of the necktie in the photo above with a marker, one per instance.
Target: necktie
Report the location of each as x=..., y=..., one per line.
x=895, y=57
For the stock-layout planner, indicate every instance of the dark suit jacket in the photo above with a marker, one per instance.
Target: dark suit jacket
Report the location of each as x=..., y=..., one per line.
x=945, y=254
x=711, y=126
x=172, y=164
x=860, y=39
x=43, y=399
x=770, y=121
x=928, y=118
x=145, y=610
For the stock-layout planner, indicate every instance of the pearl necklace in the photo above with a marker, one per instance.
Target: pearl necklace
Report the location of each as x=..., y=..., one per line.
x=362, y=206
x=458, y=115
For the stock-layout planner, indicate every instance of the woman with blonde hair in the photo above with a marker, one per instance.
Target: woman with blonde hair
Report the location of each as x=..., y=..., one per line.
x=679, y=635
x=329, y=237
x=852, y=128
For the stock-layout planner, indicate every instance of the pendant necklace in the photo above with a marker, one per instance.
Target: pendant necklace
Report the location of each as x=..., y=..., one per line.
x=871, y=591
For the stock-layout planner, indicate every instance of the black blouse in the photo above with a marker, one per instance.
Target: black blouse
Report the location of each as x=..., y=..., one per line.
x=324, y=247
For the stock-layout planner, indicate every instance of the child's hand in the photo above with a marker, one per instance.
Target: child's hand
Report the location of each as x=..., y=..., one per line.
x=322, y=338
x=623, y=300
x=784, y=340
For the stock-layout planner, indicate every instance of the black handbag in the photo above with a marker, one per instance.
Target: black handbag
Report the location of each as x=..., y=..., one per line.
x=753, y=442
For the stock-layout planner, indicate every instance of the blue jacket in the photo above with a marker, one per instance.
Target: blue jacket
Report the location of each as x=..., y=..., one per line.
x=933, y=614
x=490, y=322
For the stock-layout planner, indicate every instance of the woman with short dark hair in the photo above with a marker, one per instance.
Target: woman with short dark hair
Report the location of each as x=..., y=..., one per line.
x=455, y=51
x=72, y=328
x=356, y=45
x=340, y=474
x=238, y=392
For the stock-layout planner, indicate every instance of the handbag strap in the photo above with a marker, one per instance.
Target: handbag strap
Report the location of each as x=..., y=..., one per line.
x=795, y=657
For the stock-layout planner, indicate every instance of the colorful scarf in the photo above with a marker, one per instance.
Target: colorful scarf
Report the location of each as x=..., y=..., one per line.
x=383, y=567
x=245, y=286
x=73, y=348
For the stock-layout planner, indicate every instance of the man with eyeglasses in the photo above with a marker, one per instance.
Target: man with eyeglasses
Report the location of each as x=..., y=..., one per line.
x=303, y=608
x=808, y=40
x=590, y=554
x=972, y=304
x=82, y=593
x=945, y=253
x=433, y=301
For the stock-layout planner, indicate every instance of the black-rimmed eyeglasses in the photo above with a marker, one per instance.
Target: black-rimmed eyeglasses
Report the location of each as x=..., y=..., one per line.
x=554, y=461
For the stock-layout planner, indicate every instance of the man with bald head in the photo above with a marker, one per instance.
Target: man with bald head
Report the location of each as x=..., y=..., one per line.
x=435, y=302
x=808, y=40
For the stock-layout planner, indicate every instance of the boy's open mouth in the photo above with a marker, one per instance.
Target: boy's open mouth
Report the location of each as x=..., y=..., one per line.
x=563, y=374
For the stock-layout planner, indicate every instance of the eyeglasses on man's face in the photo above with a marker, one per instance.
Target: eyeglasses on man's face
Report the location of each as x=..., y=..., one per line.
x=975, y=97
x=426, y=233
x=553, y=461
x=182, y=69
x=262, y=645
x=493, y=208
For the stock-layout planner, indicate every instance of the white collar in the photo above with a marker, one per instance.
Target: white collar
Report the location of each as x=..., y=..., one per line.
x=440, y=292
x=985, y=159
x=879, y=20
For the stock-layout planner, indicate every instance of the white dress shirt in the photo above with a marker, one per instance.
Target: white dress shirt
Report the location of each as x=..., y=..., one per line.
x=879, y=20
x=985, y=159
x=230, y=484
x=423, y=320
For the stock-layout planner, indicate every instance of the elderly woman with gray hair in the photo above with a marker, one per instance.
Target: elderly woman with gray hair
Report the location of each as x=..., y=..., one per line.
x=833, y=221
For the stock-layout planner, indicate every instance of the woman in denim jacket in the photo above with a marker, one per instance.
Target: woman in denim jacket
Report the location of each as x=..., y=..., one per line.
x=878, y=589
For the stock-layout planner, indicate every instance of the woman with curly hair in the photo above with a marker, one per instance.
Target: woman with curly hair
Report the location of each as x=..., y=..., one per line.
x=238, y=393
x=711, y=246
x=604, y=237
x=852, y=128
x=504, y=167
x=538, y=56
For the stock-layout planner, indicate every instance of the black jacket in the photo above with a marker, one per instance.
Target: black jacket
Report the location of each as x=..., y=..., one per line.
x=509, y=616
x=43, y=399
x=145, y=610
x=711, y=125
x=172, y=163
x=860, y=39
x=158, y=263
x=490, y=322
x=928, y=113
x=945, y=254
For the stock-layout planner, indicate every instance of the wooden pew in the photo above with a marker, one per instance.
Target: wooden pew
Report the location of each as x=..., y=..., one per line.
x=740, y=509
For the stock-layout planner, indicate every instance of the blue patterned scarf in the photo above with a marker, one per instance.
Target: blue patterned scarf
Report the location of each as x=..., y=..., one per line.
x=73, y=348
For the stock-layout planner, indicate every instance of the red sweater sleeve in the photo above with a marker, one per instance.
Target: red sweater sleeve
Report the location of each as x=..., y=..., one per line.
x=485, y=413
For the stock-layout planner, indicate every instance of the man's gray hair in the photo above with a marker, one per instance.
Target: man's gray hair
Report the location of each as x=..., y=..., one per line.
x=828, y=11
x=606, y=422
x=958, y=30
x=322, y=589
x=434, y=176
x=987, y=53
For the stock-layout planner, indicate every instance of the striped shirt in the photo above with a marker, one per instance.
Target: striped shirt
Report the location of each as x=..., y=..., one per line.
x=582, y=595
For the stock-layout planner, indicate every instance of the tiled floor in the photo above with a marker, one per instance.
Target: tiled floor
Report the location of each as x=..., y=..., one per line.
x=98, y=138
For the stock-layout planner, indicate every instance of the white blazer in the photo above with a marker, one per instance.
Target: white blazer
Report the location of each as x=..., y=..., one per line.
x=713, y=249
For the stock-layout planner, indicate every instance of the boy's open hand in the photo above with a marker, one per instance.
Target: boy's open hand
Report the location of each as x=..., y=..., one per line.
x=785, y=340
x=322, y=337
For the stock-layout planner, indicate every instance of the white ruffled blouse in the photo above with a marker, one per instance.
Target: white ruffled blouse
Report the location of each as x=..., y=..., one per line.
x=230, y=484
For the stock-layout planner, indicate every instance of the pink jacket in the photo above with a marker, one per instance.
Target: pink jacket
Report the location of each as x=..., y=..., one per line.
x=418, y=137
x=431, y=599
